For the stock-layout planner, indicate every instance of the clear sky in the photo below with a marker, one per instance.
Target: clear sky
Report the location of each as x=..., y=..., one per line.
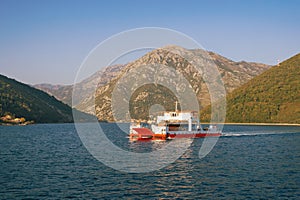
x=45, y=41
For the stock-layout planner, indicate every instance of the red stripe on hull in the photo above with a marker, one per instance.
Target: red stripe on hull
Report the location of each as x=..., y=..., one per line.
x=146, y=137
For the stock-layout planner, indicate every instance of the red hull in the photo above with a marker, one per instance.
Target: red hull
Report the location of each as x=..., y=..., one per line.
x=137, y=137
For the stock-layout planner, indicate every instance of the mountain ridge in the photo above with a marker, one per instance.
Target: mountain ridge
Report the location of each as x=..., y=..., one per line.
x=233, y=75
x=271, y=97
x=228, y=69
x=64, y=92
x=24, y=101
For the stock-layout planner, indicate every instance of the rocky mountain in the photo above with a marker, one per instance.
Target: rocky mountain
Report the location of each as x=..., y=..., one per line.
x=61, y=92
x=64, y=92
x=21, y=103
x=271, y=97
x=233, y=74
x=141, y=101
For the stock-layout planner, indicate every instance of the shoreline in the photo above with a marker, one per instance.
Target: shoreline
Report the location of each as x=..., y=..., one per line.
x=205, y=123
x=256, y=124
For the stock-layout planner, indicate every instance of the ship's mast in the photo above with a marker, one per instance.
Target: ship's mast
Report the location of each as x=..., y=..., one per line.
x=176, y=106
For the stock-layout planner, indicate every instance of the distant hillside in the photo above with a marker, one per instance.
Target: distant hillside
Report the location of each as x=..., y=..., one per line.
x=272, y=97
x=64, y=92
x=23, y=101
x=60, y=92
x=233, y=75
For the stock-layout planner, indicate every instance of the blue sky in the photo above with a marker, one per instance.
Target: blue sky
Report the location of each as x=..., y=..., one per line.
x=46, y=41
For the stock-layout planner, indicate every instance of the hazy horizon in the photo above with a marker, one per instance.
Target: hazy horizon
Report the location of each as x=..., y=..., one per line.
x=46, y=41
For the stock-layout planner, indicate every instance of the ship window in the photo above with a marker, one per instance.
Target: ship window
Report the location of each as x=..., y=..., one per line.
x=174, y=114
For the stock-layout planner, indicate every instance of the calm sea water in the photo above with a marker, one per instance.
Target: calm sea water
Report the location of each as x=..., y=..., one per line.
x=249, y=162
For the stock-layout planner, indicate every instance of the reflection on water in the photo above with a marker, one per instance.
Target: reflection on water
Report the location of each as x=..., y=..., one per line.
x=50, y=162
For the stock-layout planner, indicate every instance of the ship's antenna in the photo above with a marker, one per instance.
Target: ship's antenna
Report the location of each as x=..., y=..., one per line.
x=176, y=104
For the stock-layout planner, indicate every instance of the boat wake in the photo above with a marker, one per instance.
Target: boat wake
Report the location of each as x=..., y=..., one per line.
x=240, y=134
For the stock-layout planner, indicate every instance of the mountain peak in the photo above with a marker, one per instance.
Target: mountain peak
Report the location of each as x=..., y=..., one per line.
x=233, y=74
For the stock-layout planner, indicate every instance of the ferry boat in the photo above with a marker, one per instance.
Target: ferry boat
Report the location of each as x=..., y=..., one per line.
x=171, y=125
